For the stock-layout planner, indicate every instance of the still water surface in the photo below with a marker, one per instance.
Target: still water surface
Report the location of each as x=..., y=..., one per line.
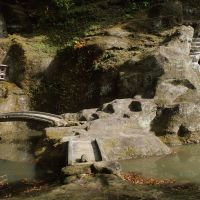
x=15, y=171
x=183, y=166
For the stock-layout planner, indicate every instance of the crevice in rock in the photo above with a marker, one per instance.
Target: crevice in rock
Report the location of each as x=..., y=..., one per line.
x=185, y=83
x=109, y=109
x=183, y=131
x=162, y=120
x=135, y=106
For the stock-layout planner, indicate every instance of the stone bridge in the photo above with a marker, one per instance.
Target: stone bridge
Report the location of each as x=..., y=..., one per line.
x=53, y=120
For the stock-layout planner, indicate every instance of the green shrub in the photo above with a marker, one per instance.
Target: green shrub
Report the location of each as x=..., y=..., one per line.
x=64, y=4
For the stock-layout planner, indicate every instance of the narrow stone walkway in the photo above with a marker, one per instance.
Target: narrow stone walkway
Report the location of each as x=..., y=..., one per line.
x=84, y=151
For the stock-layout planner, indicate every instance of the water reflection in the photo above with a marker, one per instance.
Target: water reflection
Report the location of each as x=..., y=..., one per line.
x=184, y=166
x=15, y=171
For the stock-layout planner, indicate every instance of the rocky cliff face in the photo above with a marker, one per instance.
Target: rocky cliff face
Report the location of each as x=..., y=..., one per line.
x=139, y=76
x=158, y=94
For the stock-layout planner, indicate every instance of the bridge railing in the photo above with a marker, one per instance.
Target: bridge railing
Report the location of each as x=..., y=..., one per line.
x=52, y=119
x=47, y=114
x=20, y=118
x=33, y=112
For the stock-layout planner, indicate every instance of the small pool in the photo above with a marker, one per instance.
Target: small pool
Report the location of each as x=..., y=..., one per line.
x=184, y=166
x=15, y=171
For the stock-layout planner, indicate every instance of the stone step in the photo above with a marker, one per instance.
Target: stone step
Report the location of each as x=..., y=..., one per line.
x=196, y=40
x=196, y=51
x=194, y=54
x=78, y=148
x=83, y=147
x=195, y=60
x=197, y=44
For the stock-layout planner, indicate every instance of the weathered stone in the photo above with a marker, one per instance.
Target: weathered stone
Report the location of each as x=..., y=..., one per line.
x=125, y=127
x=179, y=81
x=76, y=170
x=84, y=158
x=109, y=167
x=109, y=42
x=58, y=133
x=87, y=114
x=124, y=137
x=180, y=121
x=117, y=32
x=70, y=179
x=70, y=116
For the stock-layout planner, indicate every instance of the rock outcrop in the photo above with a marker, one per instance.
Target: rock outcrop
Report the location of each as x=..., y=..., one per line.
x=164, y=91
x=139, y=81
x=122, y=128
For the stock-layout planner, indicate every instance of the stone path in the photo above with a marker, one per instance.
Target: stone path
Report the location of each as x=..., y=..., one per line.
x=84, y=151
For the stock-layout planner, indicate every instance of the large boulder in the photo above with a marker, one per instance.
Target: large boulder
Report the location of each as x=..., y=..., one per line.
x=179, y=81
x=106, y=167
x=178, y=123
x=122, y=128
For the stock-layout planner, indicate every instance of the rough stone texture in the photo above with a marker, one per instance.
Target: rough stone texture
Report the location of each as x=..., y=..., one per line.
x=178, y=79
x=165, y=88
x=132, y=77
x=108, y=64
x=14, y=135
x=180, y=121
x=76, y=170
x=106, y=167
x=57, y=133
x=150, y=73
x=110, y=42
x=122, y=128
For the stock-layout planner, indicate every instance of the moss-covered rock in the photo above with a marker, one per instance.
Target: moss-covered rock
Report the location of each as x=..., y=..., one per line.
x=77, y=170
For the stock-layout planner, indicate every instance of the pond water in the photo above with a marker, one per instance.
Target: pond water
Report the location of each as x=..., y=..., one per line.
x=15, y=171
x=183, y=166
